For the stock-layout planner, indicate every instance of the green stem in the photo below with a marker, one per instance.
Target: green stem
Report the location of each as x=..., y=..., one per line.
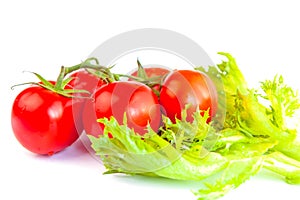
x=60, y=78
x=85, y=65
x=136, y=78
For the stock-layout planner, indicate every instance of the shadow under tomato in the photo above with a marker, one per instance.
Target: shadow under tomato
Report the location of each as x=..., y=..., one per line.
x=76, y=153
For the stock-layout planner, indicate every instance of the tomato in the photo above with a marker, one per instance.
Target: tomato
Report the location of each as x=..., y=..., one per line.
x=182, y=87
x=152, y=72
x=83, y=80
x=114, y=99
x=45, y=122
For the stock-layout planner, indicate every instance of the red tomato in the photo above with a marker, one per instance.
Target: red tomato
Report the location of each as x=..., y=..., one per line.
x=154, y=72
x=45, y=122
x=114, y=99
x=84, y=80
x=182, y=87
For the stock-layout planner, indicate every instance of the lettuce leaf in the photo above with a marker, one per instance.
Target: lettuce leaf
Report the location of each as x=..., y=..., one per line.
x=182, y=152
x=151, y=154
x=252, y=130
x=237, y=172
x=283, y=165
x=263, y=114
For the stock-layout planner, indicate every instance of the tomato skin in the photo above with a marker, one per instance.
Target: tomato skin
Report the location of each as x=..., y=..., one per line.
x=182, y=87
x=135, y=99
x=44, y=122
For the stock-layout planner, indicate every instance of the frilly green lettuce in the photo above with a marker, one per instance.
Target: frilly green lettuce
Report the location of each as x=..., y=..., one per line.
x=253, y=133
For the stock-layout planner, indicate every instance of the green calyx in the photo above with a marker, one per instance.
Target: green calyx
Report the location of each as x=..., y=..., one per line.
x=62, y=81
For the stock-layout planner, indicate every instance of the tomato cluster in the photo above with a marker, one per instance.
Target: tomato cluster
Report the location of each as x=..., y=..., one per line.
x=46, y=122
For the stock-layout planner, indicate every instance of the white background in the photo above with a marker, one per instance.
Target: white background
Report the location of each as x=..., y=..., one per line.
x=264, y=36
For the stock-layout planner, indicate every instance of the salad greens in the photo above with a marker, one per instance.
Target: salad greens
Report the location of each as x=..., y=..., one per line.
x=257, y=129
